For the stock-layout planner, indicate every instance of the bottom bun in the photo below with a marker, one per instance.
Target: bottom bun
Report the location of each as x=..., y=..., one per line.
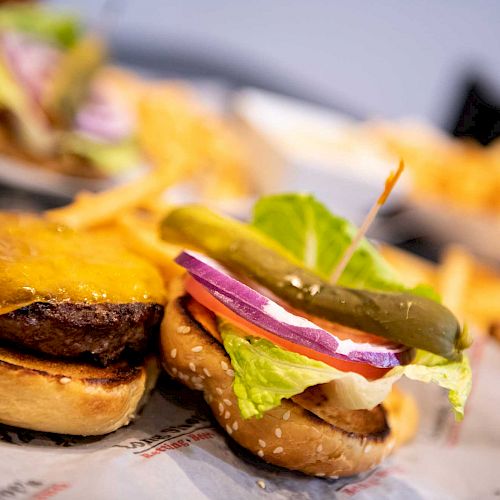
x=334, y=443
x=71, y=398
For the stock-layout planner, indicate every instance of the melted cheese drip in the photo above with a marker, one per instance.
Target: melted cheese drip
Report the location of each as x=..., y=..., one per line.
x=41, y=261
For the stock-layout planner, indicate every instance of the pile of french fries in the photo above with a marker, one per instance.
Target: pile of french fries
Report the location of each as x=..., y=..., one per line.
x=455, y=172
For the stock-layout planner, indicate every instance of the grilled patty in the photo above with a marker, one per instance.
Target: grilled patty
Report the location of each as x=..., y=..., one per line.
x=102, y=332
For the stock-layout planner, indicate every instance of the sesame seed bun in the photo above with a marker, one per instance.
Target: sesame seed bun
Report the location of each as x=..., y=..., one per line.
x=71, y=398
x=301, y=434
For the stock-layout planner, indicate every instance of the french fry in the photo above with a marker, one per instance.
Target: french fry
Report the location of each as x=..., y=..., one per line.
x=483, y=297
x=90, y=210
x=469, y=287
x=412, y=268
x=143, y=239
x=157, y=206
x=454, y=278
x=403, y=414
x=495, y=331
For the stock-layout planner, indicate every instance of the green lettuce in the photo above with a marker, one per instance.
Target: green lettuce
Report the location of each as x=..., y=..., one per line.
x=265, y=373
x=318, y=239
x=456, y=376
x=60, y=29
x=109, y=158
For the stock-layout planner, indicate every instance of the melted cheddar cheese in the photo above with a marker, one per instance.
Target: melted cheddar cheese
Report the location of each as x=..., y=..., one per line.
x=42, y=261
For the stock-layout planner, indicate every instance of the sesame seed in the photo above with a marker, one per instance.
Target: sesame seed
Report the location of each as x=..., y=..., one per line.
x=183, y=329
x=218, y=390
x=183, y=376
x=320, y=474
x=235, y=425
x=229, y=430
x=198, y=387
x=368, y=447
x=262, y=443
x=319, y=449
x=64, y=380
x=333, y=477
x=206, y=372
x=286, y=415
x=230, y=372
x=227, y=402
x=277, y=450
x=197, y=348
x=196, y=380
x=227, y=415
x=192, y=366
x=260, y=453
x=224, y=365
x=221, y=408
x=174, y=370
x=277, y=432
x=173, y=353
x=261, y=484
x=209, y=398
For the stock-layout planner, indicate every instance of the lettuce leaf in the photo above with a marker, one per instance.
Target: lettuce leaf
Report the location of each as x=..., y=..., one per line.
x=265, y=374
x=456, y=376
x=109, y=158
x=318, y=239
x=61, y=29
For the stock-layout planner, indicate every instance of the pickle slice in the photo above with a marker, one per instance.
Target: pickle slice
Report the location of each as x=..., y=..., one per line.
x=401, y=317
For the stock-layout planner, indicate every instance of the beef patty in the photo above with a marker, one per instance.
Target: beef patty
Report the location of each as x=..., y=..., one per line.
x=101, y=331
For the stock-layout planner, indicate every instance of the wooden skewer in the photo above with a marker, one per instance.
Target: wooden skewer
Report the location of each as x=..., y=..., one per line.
x=346, y=257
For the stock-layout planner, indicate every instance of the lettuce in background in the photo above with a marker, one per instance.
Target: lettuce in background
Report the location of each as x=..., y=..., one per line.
x=60, y=29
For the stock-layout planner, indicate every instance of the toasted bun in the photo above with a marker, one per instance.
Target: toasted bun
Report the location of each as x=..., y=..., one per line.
x=71, y=398
x=299, y=434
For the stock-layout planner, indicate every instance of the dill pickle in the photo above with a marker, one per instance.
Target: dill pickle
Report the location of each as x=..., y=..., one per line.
x=401, y=317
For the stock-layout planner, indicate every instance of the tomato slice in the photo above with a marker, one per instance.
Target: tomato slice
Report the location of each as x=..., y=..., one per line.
x=204, y=297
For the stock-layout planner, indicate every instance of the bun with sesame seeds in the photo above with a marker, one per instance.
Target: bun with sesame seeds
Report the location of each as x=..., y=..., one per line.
x=54, y=395
x=303, y=433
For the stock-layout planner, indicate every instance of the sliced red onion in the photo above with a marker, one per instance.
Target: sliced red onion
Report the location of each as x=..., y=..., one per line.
x=270, y=316
x=103, y=116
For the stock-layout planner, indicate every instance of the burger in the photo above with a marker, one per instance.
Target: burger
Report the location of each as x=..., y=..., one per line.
x=296, y=369
x=60, y=107
x=79, y=316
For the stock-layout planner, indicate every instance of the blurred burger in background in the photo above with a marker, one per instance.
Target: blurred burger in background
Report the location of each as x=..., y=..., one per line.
x=66, y=110
x=58, y=107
